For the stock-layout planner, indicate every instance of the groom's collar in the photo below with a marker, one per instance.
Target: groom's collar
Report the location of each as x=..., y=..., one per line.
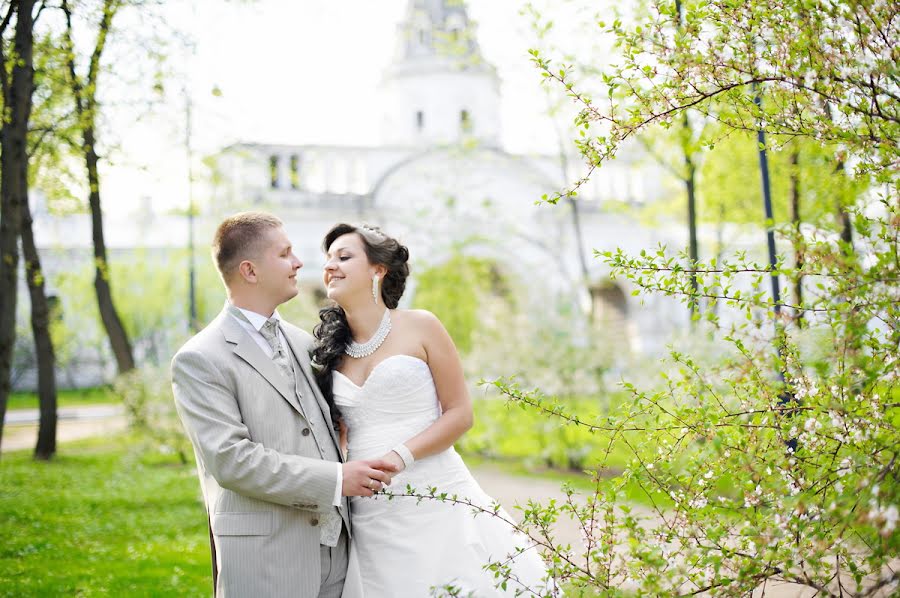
x=251, y=317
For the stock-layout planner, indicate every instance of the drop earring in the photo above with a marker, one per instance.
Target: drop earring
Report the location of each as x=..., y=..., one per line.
x=375, y=280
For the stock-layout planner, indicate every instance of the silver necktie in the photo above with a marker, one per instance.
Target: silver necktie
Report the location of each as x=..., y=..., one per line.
x=269, y=331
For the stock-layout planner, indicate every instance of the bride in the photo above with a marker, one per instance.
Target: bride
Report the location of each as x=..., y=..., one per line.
x=393, y=379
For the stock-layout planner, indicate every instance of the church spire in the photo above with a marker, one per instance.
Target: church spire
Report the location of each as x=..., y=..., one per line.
x=437, y=29
x=439, y=89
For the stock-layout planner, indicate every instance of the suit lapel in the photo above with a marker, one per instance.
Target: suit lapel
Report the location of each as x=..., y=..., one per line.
x=302, y=358
x=247, y=349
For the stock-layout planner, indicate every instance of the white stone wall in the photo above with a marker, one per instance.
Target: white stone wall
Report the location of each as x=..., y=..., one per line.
x=440, y=96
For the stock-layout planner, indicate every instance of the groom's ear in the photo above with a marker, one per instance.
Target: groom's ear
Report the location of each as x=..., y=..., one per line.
x=247, y=271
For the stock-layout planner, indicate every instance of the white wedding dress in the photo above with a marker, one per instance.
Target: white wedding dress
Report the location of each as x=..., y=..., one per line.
x=409, y=548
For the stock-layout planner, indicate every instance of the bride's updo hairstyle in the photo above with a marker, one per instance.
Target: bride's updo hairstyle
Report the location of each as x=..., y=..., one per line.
x=333, y=332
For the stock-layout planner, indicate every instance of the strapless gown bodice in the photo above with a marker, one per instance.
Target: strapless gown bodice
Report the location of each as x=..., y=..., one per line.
x=397, y=401
x=403, y=547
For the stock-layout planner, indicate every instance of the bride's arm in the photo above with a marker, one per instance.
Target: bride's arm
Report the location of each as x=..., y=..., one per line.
x=456, y=405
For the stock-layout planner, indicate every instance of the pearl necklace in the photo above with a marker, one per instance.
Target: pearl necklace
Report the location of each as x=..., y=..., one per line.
x=357, y=350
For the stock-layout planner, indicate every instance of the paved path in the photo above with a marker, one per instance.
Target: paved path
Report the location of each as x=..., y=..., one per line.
x=20, y=430
x=31, y=416
x=511, y=490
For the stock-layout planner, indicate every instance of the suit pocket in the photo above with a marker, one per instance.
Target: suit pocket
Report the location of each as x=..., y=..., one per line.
x=242, y=524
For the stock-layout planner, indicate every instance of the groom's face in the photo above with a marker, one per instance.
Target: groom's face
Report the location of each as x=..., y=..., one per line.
x=276, y=267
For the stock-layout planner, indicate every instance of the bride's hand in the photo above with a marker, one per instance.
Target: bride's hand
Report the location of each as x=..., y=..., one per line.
x=394, y=459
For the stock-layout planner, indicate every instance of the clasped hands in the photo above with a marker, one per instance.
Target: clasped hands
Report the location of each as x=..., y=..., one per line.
x=365, y=478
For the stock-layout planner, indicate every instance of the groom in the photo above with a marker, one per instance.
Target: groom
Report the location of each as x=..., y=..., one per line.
x=267, y=454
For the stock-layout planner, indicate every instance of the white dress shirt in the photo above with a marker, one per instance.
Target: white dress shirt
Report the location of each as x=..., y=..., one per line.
x=256, y=322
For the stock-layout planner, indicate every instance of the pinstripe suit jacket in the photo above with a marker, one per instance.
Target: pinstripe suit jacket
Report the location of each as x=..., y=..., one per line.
x=261, y=456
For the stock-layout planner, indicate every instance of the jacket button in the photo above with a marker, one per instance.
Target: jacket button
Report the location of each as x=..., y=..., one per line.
x=314, y=522
x=305, y=432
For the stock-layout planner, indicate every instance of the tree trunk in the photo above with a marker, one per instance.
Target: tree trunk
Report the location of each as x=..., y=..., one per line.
x=720, y=249
x=690, y=184
x=118, y=338
x=842, y=216
x=85, y=92
x=579, y=248
x=576, y=217
x=798, y=244
x=40, y=327
x=13, y=184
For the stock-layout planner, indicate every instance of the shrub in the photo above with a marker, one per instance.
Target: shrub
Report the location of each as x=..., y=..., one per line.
x=146, y=394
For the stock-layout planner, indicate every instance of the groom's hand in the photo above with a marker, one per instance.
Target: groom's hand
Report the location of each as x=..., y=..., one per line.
x=365, y=478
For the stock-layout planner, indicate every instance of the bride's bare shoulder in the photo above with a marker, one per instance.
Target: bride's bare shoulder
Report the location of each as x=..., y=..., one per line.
x=416, y=317
x=421, y=323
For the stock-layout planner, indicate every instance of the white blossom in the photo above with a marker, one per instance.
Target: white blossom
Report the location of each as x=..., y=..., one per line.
x=845, y=467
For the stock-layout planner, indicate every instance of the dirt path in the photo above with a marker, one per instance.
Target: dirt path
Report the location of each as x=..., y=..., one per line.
x=509, y=490
x=20, y=430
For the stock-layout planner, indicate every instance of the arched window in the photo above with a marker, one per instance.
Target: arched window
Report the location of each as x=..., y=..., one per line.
x=465, y=121
x=454, y=27
x=295, y=171
x=609, y=302
x=611, y=312
x=273, y=172
x=420, y=120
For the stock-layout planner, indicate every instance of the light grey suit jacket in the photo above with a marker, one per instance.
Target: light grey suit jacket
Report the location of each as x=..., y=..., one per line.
x=261, y=456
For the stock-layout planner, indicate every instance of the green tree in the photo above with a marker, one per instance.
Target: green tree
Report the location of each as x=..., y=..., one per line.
x=17, y=80
x=826, y=71
x=49, y=123
x=454, y=292
x=761, y=465
x=556, y=104
x=84, y=91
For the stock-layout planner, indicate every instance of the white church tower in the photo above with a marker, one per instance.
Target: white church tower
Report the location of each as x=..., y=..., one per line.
x=439, y=90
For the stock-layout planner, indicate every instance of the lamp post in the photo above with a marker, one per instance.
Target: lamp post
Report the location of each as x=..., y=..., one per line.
x=192, y=273
x=193, y=322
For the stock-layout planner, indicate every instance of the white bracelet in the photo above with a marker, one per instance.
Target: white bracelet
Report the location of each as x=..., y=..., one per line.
x=405, y=454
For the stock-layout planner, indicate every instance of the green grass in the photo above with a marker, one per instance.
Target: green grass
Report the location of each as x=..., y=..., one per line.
x=101, y=520
x=66, y=398
x=525, y=442
x=509, y=432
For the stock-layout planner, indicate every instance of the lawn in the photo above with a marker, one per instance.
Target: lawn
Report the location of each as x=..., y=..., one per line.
x=101, y=520
x=65, y=398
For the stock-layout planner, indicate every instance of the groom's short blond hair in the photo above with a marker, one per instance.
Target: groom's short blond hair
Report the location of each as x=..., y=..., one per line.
x=240, y=237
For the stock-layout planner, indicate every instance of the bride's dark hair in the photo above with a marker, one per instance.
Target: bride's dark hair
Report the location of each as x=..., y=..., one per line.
x=333, y=332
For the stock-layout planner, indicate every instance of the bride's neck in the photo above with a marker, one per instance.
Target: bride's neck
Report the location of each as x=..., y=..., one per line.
x=364, y=320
